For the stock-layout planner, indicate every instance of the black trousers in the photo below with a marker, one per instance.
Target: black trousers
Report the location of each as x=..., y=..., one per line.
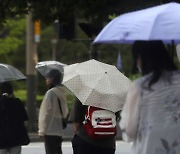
x=53, y=144
x=82, y=147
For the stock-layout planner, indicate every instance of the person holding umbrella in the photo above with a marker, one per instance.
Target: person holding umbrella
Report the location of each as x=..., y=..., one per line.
x=13, y=133
x=53, y=109
x=151, y=114
x=100, y=90
x=82, y=143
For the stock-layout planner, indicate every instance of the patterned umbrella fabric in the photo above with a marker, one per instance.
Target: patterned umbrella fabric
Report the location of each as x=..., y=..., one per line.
x=9, y=73
x=97, y=84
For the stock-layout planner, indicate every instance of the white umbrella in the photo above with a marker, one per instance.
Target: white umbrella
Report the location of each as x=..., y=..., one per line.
x=9, y=73
x=156, y=23
x=97, y=84
x=45, y=66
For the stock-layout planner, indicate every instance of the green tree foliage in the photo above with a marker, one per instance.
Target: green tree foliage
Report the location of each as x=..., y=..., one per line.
x=12, y=36
x=11, y=8
x=91, y=10
x=109, y=54
x=95, y=12
x=12, y=46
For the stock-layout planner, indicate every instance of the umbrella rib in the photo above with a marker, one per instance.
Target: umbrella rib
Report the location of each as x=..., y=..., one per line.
x=92, y=89
x=155, y=21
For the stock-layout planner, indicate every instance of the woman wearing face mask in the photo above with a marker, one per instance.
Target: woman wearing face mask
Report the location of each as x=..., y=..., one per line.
x=50, y=124
x=151, y=114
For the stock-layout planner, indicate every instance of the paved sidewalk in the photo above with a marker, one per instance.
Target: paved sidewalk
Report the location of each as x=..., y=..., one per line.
x=38, y=148
x=68, y=134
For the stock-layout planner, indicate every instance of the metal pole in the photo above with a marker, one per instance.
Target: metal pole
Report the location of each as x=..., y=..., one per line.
x=94, y=54
x=54, y=42
x=31, y=60
x=172, y=49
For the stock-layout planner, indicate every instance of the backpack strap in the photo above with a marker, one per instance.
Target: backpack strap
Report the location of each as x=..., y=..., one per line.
x=87, y=117
x=88, y=110
x=59, y=102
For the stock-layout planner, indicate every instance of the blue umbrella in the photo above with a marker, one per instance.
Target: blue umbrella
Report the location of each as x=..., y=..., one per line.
x=156, y=23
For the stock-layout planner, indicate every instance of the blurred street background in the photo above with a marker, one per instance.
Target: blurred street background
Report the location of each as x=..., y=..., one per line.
x=31, y=32
x=63, y=31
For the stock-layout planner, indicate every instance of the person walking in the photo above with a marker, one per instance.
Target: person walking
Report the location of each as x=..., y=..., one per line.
x=82, y=143
x=151, y=115
x=13, y=133
x=52, y=110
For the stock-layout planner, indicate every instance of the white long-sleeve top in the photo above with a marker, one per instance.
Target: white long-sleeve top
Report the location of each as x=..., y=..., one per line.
x=151, y=118
x=49, y=115
x=130, y=114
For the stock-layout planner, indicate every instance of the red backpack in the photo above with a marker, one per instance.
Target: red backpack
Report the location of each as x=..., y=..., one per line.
x=100, y=123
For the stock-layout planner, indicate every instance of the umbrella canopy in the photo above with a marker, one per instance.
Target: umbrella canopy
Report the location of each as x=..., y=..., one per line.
x=45, y=66
x=9, y=73
x=155, y=23
x=97, y=84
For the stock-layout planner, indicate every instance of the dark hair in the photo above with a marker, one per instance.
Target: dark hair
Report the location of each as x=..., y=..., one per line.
x=56, y=77
x=154, y=59
x=6, y=87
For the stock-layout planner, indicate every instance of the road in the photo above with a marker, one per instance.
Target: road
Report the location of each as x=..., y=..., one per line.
x=38, y=148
